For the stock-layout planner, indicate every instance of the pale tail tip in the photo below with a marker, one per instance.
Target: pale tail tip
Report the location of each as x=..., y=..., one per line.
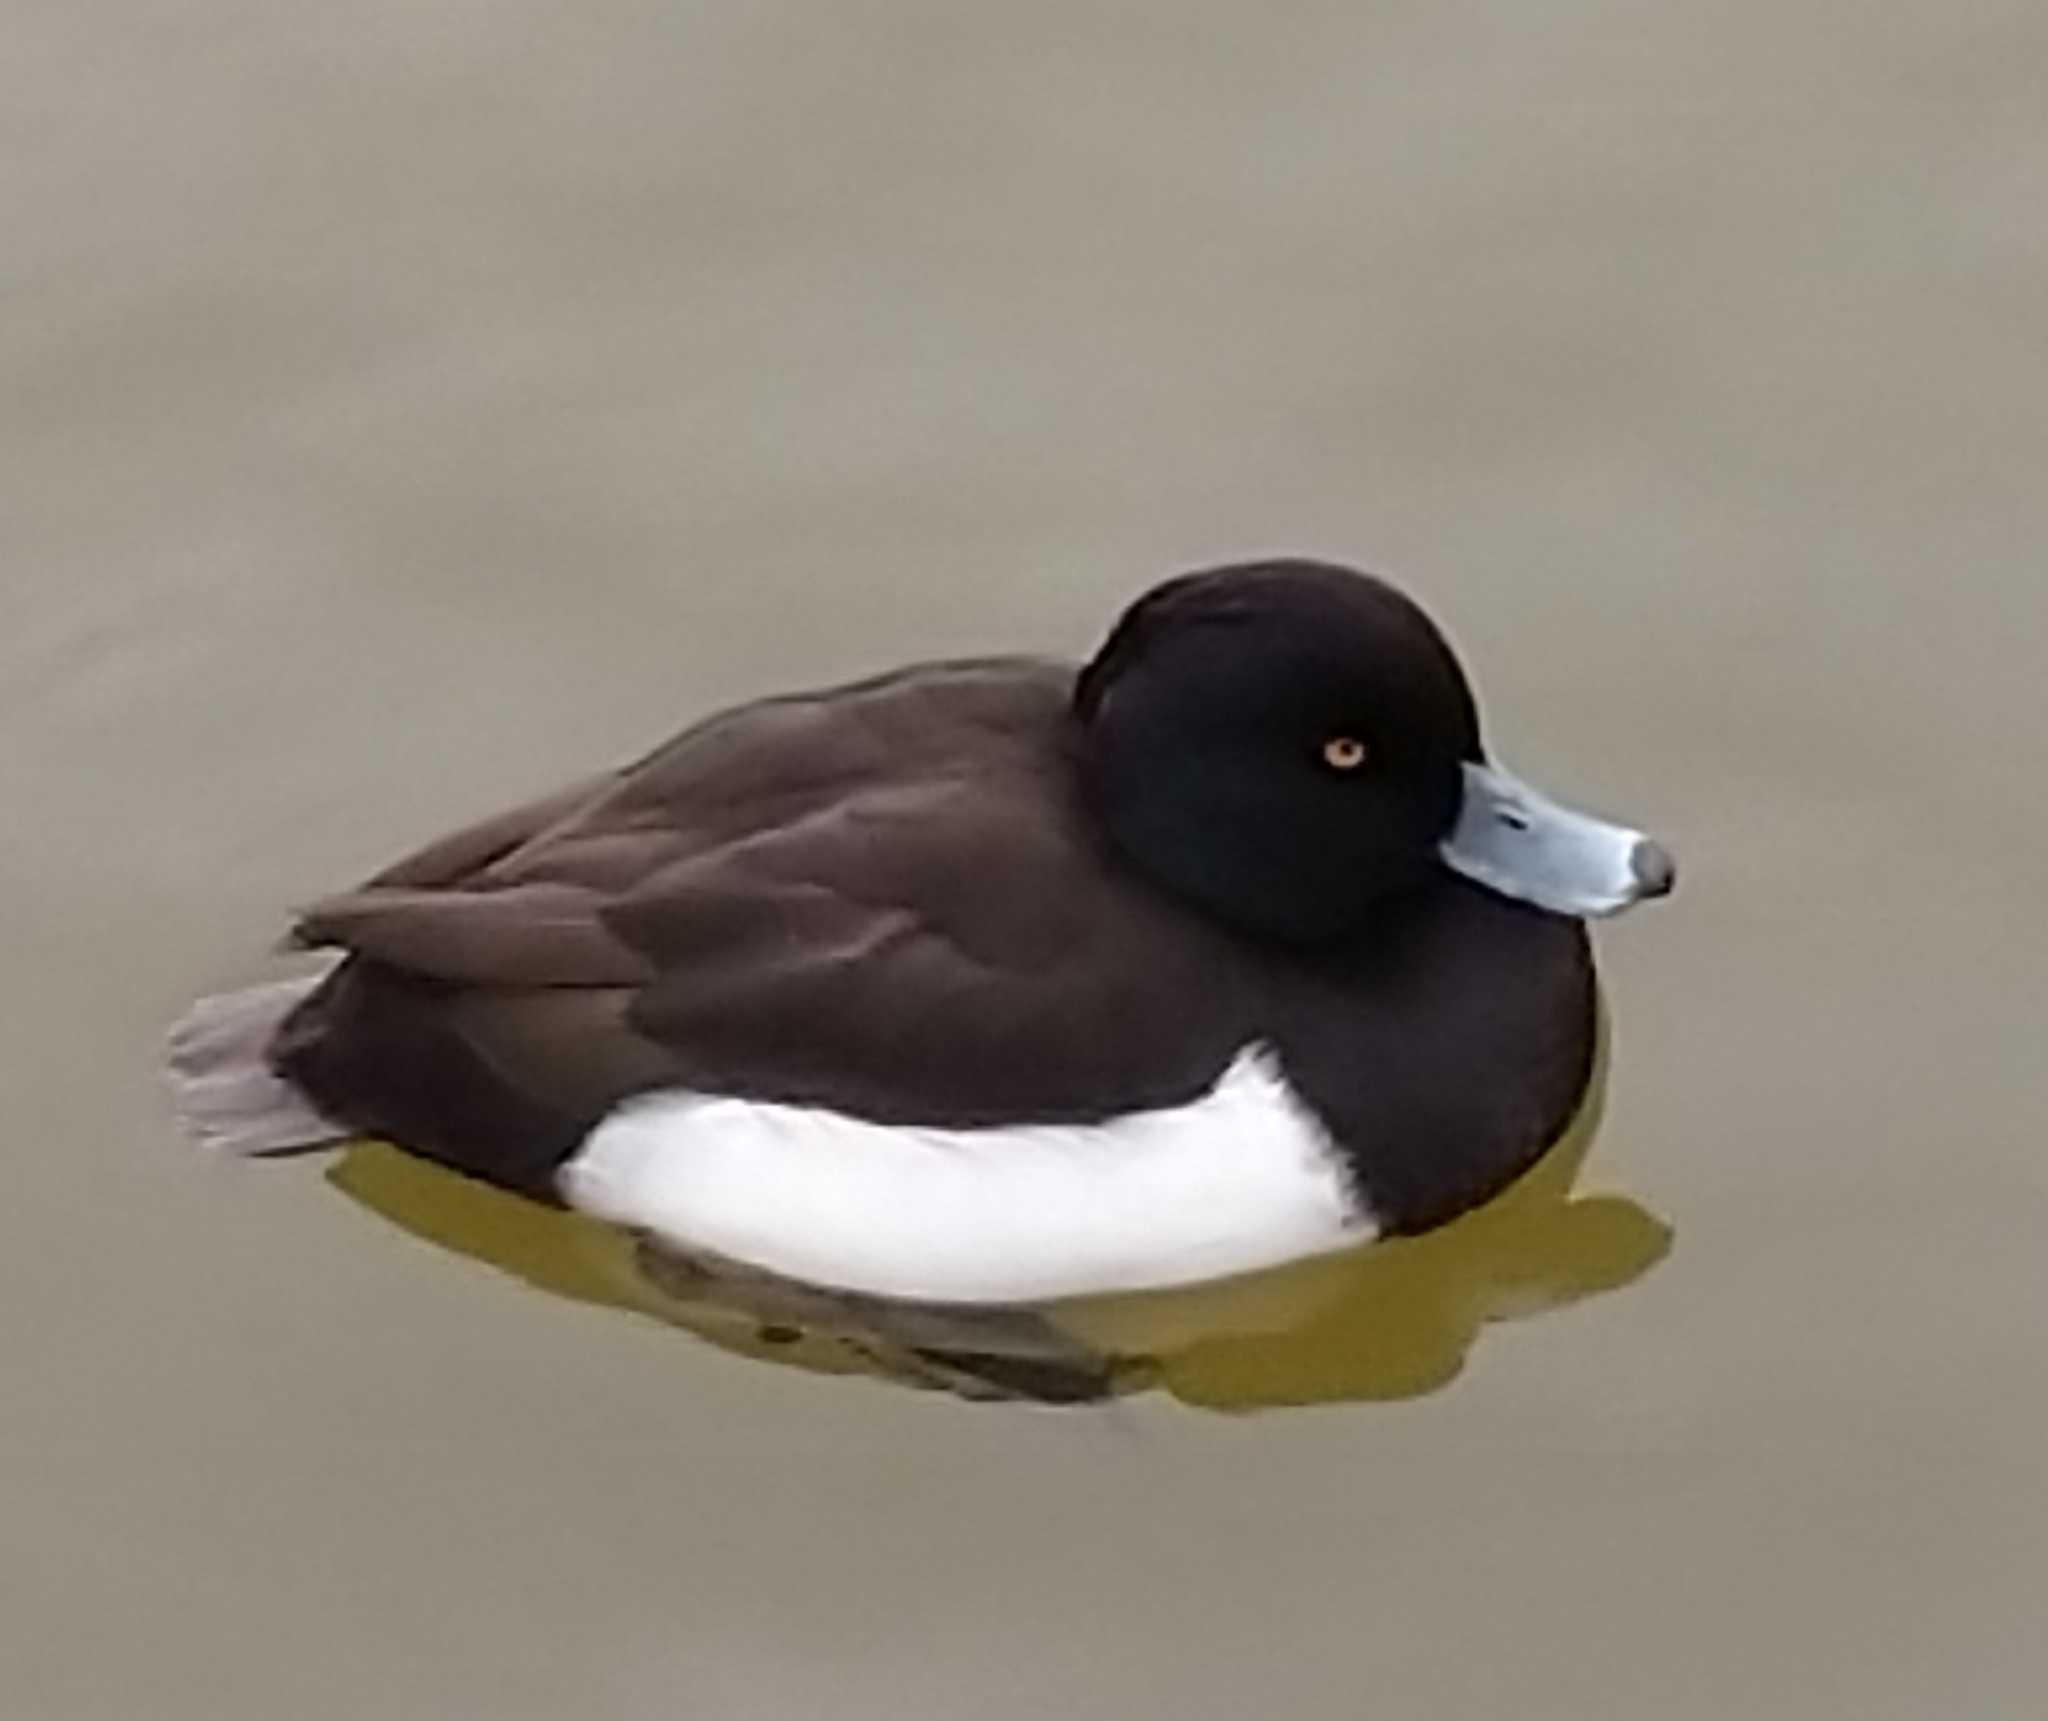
x=226, y=1097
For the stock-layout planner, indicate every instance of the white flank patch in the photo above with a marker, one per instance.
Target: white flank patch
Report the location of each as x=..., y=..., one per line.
x=1242, y=1178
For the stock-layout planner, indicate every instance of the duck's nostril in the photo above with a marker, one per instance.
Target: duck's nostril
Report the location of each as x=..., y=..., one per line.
x=1656, y=873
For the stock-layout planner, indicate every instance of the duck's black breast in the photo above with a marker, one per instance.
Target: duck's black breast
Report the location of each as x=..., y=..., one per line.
x=1444, y=1050
x=890, y=900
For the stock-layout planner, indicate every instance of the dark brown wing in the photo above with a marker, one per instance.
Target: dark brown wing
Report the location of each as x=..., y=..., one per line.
x=517, y=899
x=951, y=951
x=447, y=911
x=883, y=899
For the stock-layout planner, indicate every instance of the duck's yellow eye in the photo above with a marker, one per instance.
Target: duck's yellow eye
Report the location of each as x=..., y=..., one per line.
x=1343, y=752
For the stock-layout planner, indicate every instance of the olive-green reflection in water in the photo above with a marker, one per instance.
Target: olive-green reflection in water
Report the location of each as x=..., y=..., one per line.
x=1391, y=1320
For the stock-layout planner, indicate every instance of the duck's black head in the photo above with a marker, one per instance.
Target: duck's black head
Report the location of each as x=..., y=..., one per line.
x=1288, y=744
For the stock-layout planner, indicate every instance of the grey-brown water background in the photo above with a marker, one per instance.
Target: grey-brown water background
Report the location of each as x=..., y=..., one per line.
x=406, y=405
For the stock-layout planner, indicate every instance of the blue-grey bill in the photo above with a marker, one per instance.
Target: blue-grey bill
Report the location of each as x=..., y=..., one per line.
x=1515, y=840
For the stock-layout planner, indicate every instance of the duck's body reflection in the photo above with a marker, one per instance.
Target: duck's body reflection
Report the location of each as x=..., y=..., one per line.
x=1391, y=1320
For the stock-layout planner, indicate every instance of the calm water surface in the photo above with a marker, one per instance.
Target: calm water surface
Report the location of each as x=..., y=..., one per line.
x=408, y=405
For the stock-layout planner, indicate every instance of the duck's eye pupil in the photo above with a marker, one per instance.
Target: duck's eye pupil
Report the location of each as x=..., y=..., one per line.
x=1343, y=752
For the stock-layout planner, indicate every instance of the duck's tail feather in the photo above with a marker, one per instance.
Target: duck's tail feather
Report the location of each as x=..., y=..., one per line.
x=226, y=1096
